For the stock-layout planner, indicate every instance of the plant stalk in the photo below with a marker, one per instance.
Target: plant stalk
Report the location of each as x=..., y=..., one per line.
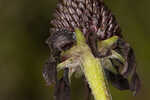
x=93, y=70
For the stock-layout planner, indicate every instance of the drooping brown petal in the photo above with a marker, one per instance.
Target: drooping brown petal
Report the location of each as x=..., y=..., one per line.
x=62, y=88
x=117, y=80
x=131, y=63
x=135, y=84
x=129, y=68
x=127, y=52
x=49, y=71
x=49, y=68
x=61, y=40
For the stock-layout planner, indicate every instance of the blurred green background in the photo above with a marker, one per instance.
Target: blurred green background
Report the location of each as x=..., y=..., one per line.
x=24, y=27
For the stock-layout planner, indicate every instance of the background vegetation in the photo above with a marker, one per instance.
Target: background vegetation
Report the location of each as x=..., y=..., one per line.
x=23, y=29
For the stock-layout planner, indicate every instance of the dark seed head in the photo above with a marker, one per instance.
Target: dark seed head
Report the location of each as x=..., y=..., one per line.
x=80, y=12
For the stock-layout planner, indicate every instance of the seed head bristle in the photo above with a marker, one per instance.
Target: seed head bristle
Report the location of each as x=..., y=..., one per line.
x=88, y=16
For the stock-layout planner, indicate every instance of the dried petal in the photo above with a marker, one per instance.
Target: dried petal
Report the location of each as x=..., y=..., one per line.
x=117, y=80
x=62, y=40
x=49, y=72
x=135, y=84
x=62, y=91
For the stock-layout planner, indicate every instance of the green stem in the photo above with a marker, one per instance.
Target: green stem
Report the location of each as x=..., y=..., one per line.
x=93, y=70
x=94, y=74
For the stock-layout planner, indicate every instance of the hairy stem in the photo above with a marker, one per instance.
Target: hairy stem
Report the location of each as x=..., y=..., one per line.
x=93, y=70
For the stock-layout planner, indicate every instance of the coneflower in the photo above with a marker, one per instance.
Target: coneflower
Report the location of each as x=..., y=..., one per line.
x=98, y=25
